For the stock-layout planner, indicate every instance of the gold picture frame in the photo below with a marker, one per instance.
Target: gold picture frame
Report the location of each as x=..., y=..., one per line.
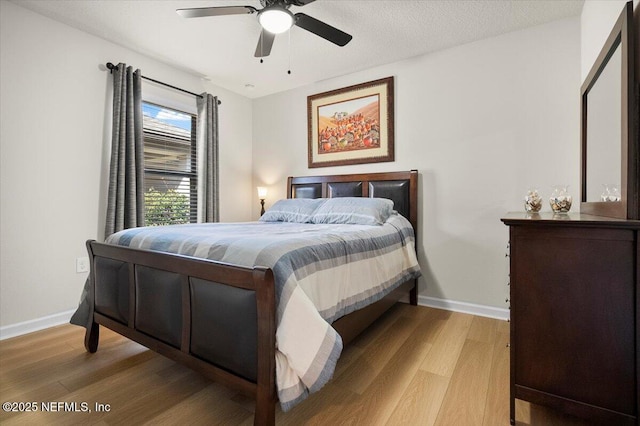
x=352, y=125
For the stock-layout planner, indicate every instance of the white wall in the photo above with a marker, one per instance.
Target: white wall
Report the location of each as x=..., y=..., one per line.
x=54, y=150
x=596, y=22
x=481, y=122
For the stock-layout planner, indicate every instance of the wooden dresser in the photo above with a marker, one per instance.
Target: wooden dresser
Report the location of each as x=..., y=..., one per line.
x=574, y=314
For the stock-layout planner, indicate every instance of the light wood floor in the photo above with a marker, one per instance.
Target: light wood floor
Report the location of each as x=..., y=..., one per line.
x=415, y=366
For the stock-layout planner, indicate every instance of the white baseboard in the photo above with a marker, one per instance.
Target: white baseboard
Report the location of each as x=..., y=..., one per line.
x=464, y=307
x=30, y=326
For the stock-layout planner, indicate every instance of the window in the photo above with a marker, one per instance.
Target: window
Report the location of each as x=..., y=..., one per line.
x=170, y=186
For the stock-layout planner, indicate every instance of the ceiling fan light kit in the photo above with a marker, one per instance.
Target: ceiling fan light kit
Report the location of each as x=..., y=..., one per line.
x=275, y=19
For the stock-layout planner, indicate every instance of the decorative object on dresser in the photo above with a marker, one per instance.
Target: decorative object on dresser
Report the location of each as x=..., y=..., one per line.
x=352, y=125
x=560, y=199
x=574, y=315
x=532, y=201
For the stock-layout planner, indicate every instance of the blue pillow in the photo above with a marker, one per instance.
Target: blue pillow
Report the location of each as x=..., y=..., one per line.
x=297, y=210
x=354, y=210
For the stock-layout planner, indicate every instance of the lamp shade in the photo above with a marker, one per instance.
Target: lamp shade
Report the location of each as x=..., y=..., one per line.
x=276, y=20
x=262, y=192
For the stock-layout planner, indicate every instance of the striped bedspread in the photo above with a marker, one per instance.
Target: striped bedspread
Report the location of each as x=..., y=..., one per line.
x=321, y=271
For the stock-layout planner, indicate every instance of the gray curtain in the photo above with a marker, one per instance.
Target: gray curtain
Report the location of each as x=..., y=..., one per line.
x=125, y=200
x=207, y=155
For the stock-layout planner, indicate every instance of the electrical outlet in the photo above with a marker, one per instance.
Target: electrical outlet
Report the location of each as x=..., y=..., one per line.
x=82, y=264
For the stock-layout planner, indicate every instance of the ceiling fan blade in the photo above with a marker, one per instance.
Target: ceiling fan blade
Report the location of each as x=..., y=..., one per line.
x=300, y=2
x=264, y=44
x=321, y=29
x=199, y=12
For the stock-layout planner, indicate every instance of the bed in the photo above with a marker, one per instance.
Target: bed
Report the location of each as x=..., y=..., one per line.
x=223, y=318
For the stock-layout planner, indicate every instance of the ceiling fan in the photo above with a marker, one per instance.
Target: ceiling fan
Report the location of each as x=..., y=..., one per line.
x=275, y=18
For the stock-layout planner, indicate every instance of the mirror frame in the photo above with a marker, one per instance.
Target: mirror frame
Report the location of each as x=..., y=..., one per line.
x=621, y=35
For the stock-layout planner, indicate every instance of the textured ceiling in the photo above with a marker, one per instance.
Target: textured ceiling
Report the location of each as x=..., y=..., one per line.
x=221, y=48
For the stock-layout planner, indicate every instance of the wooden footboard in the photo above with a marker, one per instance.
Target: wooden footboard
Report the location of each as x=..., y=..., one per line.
x=180, y=318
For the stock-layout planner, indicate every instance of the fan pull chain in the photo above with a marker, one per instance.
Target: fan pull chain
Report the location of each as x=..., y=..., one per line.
x=289, y=70
x=261, y=46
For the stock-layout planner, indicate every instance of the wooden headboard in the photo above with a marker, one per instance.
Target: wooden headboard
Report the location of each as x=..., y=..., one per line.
x=400, y=187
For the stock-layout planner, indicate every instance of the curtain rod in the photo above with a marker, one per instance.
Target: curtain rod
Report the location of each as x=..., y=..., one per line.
x=111, y=67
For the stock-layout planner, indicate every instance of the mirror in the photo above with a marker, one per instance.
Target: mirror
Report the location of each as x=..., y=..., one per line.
x=604, y=115
x=609, y=148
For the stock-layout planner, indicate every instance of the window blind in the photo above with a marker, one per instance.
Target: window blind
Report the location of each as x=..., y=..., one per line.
x=170, y=187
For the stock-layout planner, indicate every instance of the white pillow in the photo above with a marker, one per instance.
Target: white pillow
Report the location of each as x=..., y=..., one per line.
x=354, y=210
x=297, y=210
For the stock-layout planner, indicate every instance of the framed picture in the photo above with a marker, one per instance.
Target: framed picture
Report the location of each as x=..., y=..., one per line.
x=352, y=125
